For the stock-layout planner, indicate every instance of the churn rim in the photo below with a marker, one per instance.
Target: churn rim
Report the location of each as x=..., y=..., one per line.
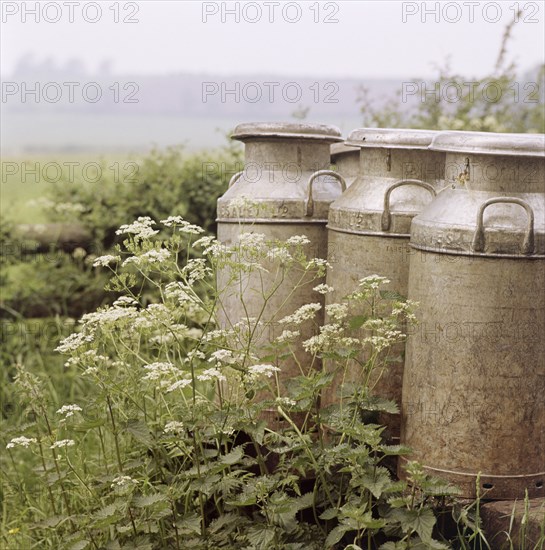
x=391, y=138
x=323, y=132
x=490, y=143
x=338, y=149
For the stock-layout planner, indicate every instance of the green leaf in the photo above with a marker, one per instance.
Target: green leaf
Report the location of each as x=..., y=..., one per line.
x=232, y=457
x=139, y=430
x=392, y=295
x=261, y=537
x=357, y=321
x=189, y=525
x=330, y=513
x=420, y=521
x=148, y=500
x=335, y=535
x=80, y=545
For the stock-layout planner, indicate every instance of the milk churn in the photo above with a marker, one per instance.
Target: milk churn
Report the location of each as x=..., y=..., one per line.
x=369, y=225
x=284, y=191
x=346, y=160
x=473, y=406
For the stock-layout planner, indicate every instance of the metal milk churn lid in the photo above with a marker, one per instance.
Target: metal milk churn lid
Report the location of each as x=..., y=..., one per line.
x=474, y=376
x=346, y=160
x=368, y=229
x=284, y=191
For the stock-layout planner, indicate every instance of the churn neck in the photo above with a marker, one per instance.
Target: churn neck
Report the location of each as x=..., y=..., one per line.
x=286, y=146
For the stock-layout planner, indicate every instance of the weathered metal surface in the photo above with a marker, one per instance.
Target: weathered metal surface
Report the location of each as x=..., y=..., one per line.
x=369, y=227
x=285, y=190
x=346, y=160
x=474, y=379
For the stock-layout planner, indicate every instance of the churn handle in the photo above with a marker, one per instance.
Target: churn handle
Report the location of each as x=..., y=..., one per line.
x=386, y=216
x=310, y=201
x=235, y=178
x=478, y=239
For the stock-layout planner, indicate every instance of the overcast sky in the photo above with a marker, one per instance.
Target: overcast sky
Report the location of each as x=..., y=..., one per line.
x=361, y=39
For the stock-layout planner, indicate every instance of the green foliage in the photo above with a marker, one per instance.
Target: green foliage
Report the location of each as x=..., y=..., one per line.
x=156, y=185
x=168, y=444
x=501, y=101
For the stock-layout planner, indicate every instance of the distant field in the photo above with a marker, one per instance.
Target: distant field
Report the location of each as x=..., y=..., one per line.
x=25, y=179
x=41, y=133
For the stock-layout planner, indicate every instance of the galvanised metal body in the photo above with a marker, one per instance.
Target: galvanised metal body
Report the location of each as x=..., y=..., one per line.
x=346, y=161
x=285, y=190
x=369, y=225
x=474, y=380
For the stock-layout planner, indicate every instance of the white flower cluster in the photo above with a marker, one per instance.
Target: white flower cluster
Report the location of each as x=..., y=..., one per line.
x=328, y=338
x=253, y=241
x=178, y=291
x=287, y=336
x=211, y=374
x=304, y=313
x=178, y=385
x=125, y=301
x=337, y=311
x=105, y=261
x=323, y=289
x=285, y=402
x=63, y=443
x=263, y=370
x=173, y=220
x=222, y=356
x=73, y=342
x=141, y=228
x=158, y=370
x=196, y=270
x=109, y=315
x=279, y=254
x=21, y=441
x=319, y=263
x=173, y=427
x=406, y=309
x=69, y=410
x=154, y=256
x=122, y=481
x=373, y=281
x=298, y=240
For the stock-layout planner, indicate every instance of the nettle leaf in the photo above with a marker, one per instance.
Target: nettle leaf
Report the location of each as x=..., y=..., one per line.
x=420, y=521
x=261, y=537
x=139, y=430
x=144, y=501
x=394, y=450
x=417, y=544
x=189, y=525
x=89, y=425
x=53, y=521
x=330, y=513
x=232, y=457
x=392, y=295
x=80, y=545
x=379, y=404
x=336, y=534
x=357, y=321
x=393, y=546
x=105, y=512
